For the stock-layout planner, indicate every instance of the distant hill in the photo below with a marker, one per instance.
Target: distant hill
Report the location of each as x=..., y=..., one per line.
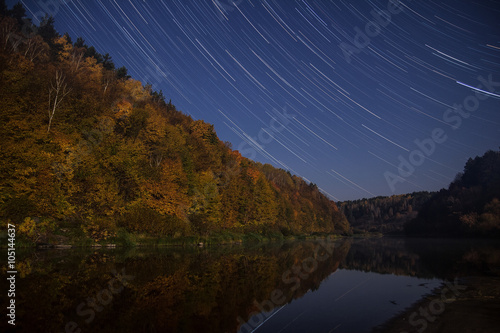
x=469, y=207
x=383, y=214
x=87, y=147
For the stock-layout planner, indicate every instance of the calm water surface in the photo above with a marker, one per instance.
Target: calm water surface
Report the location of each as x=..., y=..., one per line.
x=308, y=286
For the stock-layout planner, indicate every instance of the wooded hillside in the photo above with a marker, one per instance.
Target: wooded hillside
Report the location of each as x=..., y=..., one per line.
x=84, y=144
x=469, y=207
x=383, y=214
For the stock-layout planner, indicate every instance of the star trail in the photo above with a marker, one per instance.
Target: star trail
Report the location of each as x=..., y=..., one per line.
x=363, y=98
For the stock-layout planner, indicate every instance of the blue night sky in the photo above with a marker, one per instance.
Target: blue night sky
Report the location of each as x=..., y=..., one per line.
x=363, y=98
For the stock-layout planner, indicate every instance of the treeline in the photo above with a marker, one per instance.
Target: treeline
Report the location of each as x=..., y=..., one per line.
x=85, y=146
x=469, y=207
x=383, y=214
x=21, y=35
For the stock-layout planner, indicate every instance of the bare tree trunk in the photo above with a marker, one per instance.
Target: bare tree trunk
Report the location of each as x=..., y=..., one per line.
x=34, y=47
x=58, y=89
x=7, y=29
x=155, y=160
x=76, y=58
x=106, y=84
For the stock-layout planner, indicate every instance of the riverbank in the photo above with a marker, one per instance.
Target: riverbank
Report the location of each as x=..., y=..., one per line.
x=468, y=305
x=68, y=238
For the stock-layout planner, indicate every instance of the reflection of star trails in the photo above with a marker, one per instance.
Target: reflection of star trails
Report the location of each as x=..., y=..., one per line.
x=333, y=329
x=268, y=318
x=300, y=315
x=356, y=286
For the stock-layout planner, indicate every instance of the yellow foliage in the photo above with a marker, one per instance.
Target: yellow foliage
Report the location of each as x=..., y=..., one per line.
x=32, y=230
x=66, y=47
x=118, y=144
x=136, y=91
x=24, y=268
x=254, y=174
x=27, y=228
x=99, y=229
x=93, y=72
x=123, y=107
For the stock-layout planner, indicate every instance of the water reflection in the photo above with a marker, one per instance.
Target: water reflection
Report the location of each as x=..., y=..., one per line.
x=347, y=301
x=317, y=285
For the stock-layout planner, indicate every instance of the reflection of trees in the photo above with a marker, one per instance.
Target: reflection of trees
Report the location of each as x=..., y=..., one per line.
x=188, y=290
x=200, y=290
x=450, y=258
x=214, y=291
x=384, y=255
x=424, y=258
x=51, y=284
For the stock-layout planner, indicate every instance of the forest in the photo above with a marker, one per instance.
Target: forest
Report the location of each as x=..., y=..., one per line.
x=89, y=152
x=469, y=207
x=386, y=215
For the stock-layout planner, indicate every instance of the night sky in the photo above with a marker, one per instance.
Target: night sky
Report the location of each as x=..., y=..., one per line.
x=363, y=98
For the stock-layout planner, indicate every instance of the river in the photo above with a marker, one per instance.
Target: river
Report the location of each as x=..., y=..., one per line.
x=348, y=285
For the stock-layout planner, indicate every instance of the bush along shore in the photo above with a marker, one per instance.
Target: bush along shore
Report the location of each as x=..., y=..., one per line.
x=65, y=238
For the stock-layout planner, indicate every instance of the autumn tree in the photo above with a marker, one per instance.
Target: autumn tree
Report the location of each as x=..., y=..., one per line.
x=57, y=91
x=123, y=157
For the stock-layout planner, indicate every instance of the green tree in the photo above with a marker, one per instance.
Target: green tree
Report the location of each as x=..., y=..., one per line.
x=49, y=33
x=19, y=13
x=122, y=73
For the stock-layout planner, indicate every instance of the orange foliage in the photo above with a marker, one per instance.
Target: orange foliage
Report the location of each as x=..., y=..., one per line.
x=117, y=150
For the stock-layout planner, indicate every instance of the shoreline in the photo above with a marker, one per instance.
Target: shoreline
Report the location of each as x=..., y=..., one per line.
x=141, y=240
x=469, y=304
